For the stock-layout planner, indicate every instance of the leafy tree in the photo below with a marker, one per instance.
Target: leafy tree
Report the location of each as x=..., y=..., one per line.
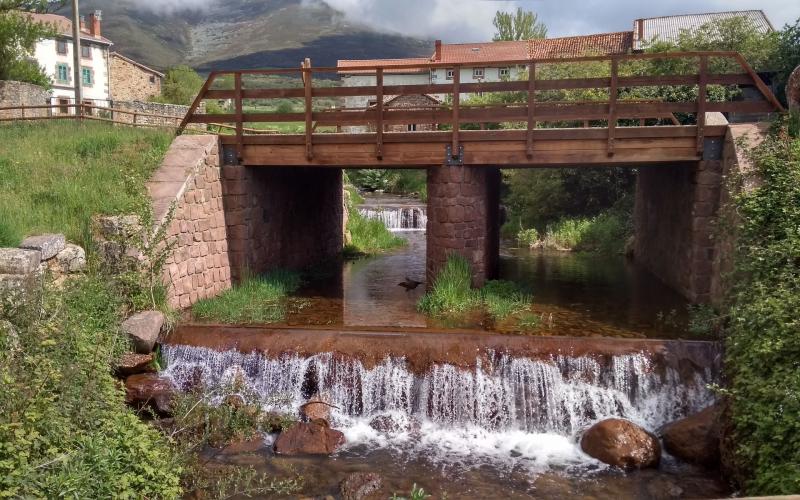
x=181, y=86
x=18, y=37
x=520, y=25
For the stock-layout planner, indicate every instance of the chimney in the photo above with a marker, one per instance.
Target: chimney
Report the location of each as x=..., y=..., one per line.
x=94, y=23
x=83, y=23
x=437, y=55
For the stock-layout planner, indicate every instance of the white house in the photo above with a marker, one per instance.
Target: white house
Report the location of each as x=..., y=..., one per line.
x=55, y=55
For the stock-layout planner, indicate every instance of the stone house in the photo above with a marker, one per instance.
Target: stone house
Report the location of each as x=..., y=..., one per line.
x=415, y=102
x=55, y=56
x=133, y=81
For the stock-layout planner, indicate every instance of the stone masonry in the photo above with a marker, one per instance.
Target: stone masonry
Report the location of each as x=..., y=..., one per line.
x=14, y=94
x=189, y=180
x=463, y=217
x=131, y=81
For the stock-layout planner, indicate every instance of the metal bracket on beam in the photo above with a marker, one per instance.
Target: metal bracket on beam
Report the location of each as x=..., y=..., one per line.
x=230, y=155
x=712, y=148
x=451, y=159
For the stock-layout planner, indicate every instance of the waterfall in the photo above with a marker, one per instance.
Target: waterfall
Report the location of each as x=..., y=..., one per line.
x=560, y=395
x=397, y=218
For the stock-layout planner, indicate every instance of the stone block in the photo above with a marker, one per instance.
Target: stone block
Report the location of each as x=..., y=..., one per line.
x=47, y=244
x=117, y=226
x=72, y=258
x=19, y=261
x=143, y=329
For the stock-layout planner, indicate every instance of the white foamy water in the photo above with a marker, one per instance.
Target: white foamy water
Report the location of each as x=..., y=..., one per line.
x=397, y=218
x=515, y=411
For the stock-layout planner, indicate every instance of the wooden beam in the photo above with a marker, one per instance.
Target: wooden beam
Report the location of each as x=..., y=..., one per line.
x=237, y=87
x=379, y=113
x=195, y=104
x=612, y=105
x=701, y=102
x=455, y=120
x=308, y=108
x=531, y=105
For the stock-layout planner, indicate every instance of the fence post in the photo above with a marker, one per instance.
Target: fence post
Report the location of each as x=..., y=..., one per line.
x=308, y=108
x=612, y=105
x=531, y=105
x=379, y=112
x=456, y=108
x=702, y=79
x=237, y=89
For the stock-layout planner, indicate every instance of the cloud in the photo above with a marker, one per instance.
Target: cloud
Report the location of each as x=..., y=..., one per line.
x=175, y=5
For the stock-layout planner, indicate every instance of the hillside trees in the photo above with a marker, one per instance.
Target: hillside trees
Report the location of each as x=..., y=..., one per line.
x=18, y=37
x=519, y=25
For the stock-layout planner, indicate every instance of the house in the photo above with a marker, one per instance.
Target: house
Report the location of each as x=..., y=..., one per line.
x=132, y=81
x=414, y=102
x=56, y=57
x=668, y=28
x=478, y=62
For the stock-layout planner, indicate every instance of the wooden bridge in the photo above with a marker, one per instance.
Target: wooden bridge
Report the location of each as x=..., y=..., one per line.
x=540, y=128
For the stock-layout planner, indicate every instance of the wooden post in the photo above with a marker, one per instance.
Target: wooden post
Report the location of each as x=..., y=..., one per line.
x=612, y=105
x=531, y=106
x=308, y=105
x=702, y=80
x=456, y=106
x=134, y=118
x=379, y=112
x=23, y=111
x=238, y=109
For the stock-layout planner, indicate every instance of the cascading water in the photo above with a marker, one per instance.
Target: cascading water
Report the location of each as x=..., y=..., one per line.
x=405, y=218
x=505, y=408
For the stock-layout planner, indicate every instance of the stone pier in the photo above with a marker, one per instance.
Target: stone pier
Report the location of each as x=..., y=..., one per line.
x=464, y=218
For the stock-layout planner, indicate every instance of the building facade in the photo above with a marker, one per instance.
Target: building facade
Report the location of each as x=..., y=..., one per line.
x=55, y=55
x=131, y=81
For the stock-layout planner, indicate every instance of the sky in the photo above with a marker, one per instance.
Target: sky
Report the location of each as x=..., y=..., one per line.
x=471, y=20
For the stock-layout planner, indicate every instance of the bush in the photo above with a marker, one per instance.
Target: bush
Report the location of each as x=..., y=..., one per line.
x=763, y=336
x=528, y=237
x=606, y=233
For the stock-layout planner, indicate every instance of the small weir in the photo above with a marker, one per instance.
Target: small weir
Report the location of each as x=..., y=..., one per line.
x=397, y=214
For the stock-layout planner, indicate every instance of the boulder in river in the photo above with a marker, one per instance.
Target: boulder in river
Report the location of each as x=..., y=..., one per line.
x=308, y=438
x=359, y=485
x=621, y=443
x=143, y=328
x=150, y=390
x=315, y=408
x=132, y=363
x=696, y=438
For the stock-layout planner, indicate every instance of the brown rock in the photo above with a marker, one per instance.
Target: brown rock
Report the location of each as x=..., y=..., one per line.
x=149, y=390
x=132, y=363
x=317, y=407
x=243, y=446
x=359, y=485
x=621, y=443
x=696, y=438
x=793, y=90
x=143, y=329
x=308, y=439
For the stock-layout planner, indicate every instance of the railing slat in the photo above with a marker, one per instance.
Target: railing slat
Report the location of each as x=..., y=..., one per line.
x=379, y=113
x=701, y=102
x=531, y=108
x=239, y=108
x=309, y=128
x=456, y=122
x=612, y=105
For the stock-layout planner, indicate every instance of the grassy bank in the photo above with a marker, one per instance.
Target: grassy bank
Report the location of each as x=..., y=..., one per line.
x=56, y=175
x=258, y=299
x=452, y=294
x=367, y=236
x=763, y=333
x=605, y=233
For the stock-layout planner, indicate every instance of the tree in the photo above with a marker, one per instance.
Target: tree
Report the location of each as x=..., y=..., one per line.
x=522, y=25
x=787, y=56
x=181, y=86
x=18, y=37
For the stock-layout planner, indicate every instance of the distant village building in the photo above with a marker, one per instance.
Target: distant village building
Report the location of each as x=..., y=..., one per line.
x=56, y=57
x=132, y=81
x=668, y=28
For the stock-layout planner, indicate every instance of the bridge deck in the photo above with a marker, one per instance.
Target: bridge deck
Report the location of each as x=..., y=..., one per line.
x=537, y=121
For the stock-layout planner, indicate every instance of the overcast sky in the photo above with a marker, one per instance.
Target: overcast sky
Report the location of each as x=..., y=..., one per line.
x=471, y=20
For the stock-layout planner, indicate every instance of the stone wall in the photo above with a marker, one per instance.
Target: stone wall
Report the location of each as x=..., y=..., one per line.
x=189, y=180
x=287, y=217
x=131, y=81
x=673, y=216
x=463, y=217
x=22, y=94
x=172, y=113
x=738, y=176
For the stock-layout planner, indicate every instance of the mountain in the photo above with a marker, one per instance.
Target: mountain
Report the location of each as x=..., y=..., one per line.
x=230, y=34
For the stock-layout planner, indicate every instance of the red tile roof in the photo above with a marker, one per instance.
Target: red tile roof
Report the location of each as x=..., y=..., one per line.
x=385, y=63
x=602, y=44
x=460, y=53
x=64, y=27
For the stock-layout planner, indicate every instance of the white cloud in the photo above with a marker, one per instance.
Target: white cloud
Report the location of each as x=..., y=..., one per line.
x=174, y=5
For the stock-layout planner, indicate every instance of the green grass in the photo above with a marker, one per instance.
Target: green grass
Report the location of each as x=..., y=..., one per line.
x=606, y=233
x=260, y=299
x=56, y=175
x=369, y=236
x=452, y=294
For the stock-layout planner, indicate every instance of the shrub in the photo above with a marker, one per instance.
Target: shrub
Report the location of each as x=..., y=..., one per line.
x=369, y=236
x=528, y=237
x=763, y=334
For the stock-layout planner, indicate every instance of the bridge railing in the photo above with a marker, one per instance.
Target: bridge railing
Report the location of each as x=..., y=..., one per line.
x=609, y=106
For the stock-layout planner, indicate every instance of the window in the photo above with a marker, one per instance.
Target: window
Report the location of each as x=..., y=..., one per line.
x=63, y=106
x=61, y=47
x=62, y=73
x=477, y=73
x=86, y=52
x=152, y=78
x=505, y=72
x=450, y=73
x=411, y=127
x=87, y=76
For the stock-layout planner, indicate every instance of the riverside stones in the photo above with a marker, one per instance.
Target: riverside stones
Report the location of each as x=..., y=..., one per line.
x=316, y=408
x=132, y=363
x=47, y=244
x=359, y=485
x=19, y=261
x=696, y=438
x=143, y=329
x=72, y=259
x=312, y=438
x=621, y=443
x=149, y=390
